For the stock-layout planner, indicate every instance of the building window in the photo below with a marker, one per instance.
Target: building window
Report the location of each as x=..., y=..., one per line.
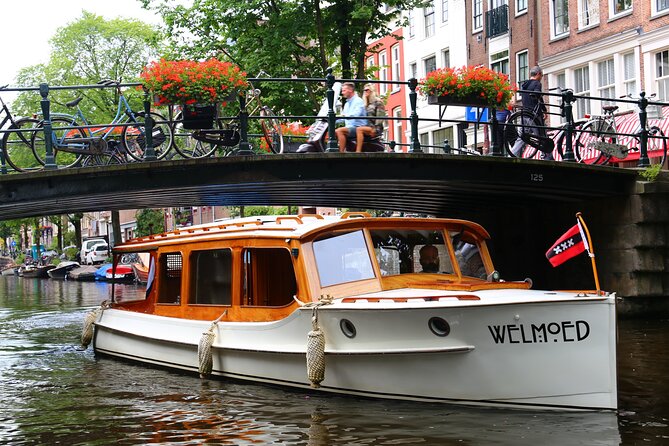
x=606, y=80
x=588, y=13
x=620, y=6
x=477, y=15
x=446, y=58
x=383, y=72
x=561, y=83
x=397, y=127
x=412, y=24
x=444, y=10
x=430, y=64
x=441, y=135
x=521, y=6
x=428, y=14
x=522, y=67
x=582, y=88
x=660, y=6
x=395, y=74
x=413, y=70
x=629, y=74
x=500, y=62
x=560, y=11
x=424, y=139
x=662, y=74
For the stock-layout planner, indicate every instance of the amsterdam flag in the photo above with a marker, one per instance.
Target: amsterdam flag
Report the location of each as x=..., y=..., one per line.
x=571, y=244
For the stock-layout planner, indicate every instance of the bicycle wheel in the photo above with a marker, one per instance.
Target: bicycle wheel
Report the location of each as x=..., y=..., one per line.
x=271, y=129
x=105, y=159
x=133, y=137
x=588, y=136
x=187, y=146
x=17, y=148
x=657, y=146
x=520, y=123
x=62, y=140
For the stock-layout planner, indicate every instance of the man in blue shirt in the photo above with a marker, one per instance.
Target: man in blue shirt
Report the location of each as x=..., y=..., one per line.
x=354, y=110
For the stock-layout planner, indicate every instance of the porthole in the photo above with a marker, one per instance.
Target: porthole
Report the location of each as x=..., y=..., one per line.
x=347, y=328
x=439, y=326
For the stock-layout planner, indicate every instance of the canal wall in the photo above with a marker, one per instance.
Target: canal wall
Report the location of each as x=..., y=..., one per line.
x=630, y=235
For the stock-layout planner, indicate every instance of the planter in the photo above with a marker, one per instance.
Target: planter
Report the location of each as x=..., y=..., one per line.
x=198, y=116
x=461, y=102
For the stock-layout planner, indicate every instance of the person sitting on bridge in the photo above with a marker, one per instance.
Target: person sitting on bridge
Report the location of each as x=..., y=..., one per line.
x=374, y=107
x=354, y=111
x=429, y=259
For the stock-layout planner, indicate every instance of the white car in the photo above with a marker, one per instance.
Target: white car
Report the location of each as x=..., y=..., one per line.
x=98, y=254
x=87, y=246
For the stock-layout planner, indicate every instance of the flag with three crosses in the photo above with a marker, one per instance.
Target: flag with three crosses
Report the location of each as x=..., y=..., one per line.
x=572, y=243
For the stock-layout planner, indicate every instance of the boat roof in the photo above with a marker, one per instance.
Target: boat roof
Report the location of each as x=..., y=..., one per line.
x=289, y=227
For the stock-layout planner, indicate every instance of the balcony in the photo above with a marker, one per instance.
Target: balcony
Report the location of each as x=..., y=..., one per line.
x=497, y=21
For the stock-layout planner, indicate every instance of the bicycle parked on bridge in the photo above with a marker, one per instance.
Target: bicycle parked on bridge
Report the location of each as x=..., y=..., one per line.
x=225, y=137
x=599, y=141
x=124, y=137
x=15, y=143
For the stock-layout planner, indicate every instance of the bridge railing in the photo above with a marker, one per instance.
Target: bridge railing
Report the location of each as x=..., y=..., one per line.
x=566, y=97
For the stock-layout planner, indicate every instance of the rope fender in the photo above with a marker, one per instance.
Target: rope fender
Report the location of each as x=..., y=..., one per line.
x=204, y=356
x=316, y=346
x=89, y=322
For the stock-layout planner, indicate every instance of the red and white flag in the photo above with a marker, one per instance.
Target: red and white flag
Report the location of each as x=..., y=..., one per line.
x=571, y=244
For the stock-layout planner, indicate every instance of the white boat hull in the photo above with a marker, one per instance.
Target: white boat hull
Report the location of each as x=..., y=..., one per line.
x=558, y=354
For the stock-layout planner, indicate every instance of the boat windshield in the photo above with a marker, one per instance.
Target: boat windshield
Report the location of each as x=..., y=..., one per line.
x=404, y=251
x=468, y=256
x=342, y=258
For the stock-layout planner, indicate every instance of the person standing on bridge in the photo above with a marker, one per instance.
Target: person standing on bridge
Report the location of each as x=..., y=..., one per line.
x=533, y=101
x=354, y=111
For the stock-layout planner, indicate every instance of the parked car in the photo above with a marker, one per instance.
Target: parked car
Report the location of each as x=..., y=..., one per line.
x=98, y=254
x=88, y=245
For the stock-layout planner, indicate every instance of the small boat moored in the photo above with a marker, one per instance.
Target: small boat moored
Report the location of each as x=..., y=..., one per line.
x=62, y=269
x=399, y=308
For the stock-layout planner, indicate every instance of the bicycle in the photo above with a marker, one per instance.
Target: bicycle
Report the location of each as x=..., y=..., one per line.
x=225, y=136
x=74, y=145
x=599, y=142
x=15, y=144
x=525, y=133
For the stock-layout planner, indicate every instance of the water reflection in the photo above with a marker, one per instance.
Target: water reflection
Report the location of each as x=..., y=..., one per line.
x=52, y=392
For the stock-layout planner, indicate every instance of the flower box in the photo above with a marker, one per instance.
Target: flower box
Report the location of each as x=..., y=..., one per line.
x=198, y=116
x=461, y=102
x=467, y=86
x=191, y=82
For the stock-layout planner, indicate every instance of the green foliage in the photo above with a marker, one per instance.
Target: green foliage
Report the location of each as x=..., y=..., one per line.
x=283, y=38
x=69, y=238
x=84, y=52
x=150, y=221
x=650, y=173
x=71, y=253
x=258, y=211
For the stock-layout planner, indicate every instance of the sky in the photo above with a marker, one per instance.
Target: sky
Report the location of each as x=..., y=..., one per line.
x=28, y=25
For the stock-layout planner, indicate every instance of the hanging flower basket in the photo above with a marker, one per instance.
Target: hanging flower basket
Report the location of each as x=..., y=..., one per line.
x=191, y=82
x=467, y=86
x=198, y=116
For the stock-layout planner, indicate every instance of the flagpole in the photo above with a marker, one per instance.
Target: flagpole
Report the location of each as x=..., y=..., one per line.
x=591, y=251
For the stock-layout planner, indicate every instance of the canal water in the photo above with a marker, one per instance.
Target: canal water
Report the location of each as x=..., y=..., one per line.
x=51, y=392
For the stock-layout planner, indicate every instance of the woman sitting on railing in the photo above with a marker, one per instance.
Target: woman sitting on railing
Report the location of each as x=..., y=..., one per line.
x=375, y=107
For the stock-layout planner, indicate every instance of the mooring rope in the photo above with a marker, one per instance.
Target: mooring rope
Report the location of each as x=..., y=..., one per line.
x=204, y=355
x=89, y=322
x=316, y=345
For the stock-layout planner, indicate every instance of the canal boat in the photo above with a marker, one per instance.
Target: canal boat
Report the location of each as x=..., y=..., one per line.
x=36, y=271
x=398, y=308
x=82, y=273
x=63, y=268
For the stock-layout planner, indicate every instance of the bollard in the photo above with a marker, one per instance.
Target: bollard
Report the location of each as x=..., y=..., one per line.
x=567, y=99
x=244, y=146
x=49, y=159
x=149, y=151
x=643, y=134
x=447, y=147
x=414, y=147
x=495, y=147
x=333, y=146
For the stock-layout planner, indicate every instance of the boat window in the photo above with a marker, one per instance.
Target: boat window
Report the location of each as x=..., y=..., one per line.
x=268, y=277
x=169, y=291
x=398, y=251
x=211, y=277
x=468, y=256
x=141, y=265
x=342, y=258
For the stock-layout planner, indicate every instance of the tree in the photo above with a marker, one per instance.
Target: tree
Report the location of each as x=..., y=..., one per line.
x=84, y=52
x=75, y=219
x=150, y=221
x=282, y=37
